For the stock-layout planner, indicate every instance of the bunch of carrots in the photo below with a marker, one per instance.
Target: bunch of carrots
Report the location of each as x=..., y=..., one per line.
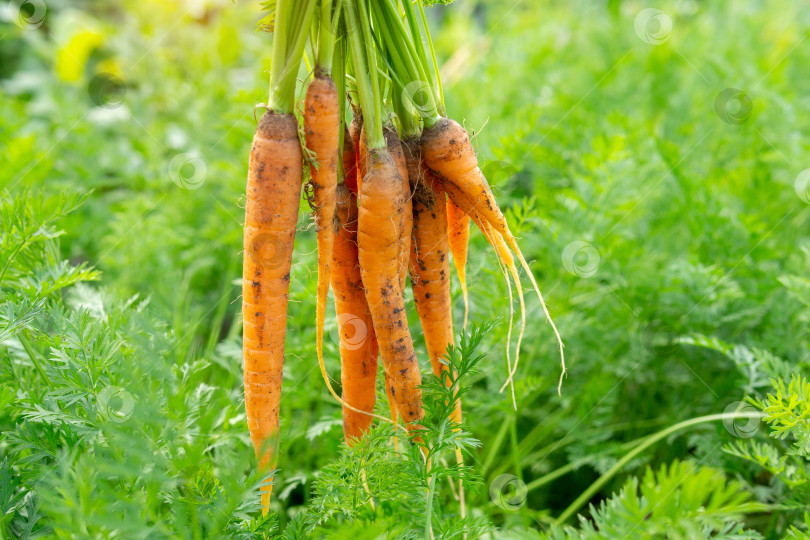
x=393, y=190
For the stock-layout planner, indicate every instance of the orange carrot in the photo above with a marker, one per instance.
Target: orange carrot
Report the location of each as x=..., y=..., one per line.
x=321, y=127
x=448, y=152
x=349, y=162
x=458, y=230
x=429, y=262
x=358, y=343
x=430, y=269
x=362, y=158
x=378, y=236
x=394, y=146
x=271, y=212
x=355, y=135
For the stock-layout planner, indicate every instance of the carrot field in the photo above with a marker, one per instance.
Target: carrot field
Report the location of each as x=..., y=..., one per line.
x=404, y=269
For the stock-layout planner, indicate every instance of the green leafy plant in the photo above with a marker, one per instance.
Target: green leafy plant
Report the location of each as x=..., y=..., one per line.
x=370, y=484
x=699, y=298
x=680, y=500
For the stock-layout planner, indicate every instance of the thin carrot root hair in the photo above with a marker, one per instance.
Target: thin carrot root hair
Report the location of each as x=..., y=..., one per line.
x=340, y=400
x=506, y=257
x=490, y=235
x=448, y=152
x=392, y=407
x=507, y=265
x=366, y=489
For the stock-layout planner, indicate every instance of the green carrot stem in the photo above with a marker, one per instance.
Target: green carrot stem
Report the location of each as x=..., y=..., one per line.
x=292, y=24
x=649, y=441
x=365, y=72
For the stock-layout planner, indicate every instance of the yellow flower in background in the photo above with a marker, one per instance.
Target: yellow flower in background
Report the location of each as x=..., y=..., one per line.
x=73, y=55
x=111, y=66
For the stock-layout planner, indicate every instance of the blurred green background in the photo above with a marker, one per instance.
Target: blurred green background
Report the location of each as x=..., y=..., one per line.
x=650, y=162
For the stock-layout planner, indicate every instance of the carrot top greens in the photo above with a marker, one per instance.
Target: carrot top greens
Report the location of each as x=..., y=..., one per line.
x=290, y=23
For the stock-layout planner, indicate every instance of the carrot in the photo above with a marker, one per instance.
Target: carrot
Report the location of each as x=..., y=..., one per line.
x=362, y=158
x=358, y=343
x=321, y=127
x=271, y=212
x=381, y=206
x=430, y=269
x=458, y=230
x=448, y=152
x=429, y=262
x=355, y=134
x=394, y=146
x=349, y=162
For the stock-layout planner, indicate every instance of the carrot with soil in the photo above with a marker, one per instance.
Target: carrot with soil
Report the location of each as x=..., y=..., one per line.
x=378, y=238
x=358, y=343
x=273, y=192
x=322, y=131
x=429, y=262
x=448, y=152
x=382, y=203
x=394, y=146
